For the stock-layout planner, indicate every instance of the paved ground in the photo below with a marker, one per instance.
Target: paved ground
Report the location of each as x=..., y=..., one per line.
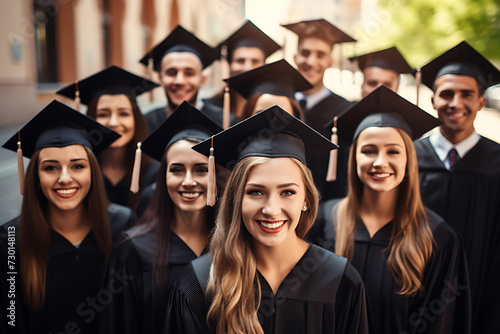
x=487, y=123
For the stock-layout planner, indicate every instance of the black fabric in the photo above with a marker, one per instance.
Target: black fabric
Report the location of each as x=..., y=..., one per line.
x=156, y=117
x=322, y=294
x=120, y=192
x=468, y=198
x=444, y=304
x=74, y=294
x=317, y=117
x=140, y=306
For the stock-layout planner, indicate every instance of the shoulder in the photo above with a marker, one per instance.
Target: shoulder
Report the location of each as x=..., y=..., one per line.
x=444, y=236
x=121, y=218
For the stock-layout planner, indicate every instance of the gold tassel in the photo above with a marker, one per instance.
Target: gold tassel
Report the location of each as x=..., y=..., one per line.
x=151, y=71
x=77, y=97
x=418, y=78
x=20, y=164
x=331, y=174
x=136, y=171
x=212, y=188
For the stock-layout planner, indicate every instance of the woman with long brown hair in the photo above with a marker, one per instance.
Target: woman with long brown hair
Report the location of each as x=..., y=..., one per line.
x=60, y=244
x=412, y=263
x=110, y=96
x=260, y=275
x=173, y=230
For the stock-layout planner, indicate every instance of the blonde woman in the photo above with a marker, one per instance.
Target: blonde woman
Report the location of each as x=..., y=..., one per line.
x=413, y=265
x=261, y=276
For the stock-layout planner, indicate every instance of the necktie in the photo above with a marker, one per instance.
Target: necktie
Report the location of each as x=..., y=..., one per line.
x=453, y=157
x=302, y=104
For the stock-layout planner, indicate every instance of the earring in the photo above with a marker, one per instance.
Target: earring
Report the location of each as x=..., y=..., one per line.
x=304, y=208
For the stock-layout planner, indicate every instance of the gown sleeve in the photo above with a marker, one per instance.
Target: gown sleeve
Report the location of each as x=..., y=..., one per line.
x=186, y=308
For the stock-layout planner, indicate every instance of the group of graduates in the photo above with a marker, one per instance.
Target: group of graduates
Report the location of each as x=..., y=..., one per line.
x=277, y=206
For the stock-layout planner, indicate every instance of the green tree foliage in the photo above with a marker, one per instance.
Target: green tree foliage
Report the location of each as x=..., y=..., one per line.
x=423, y=29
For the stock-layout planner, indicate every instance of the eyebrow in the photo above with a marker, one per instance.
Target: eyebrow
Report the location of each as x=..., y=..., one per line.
x=384, y=145
x=181, y=164
x=284, y=185
x=57, y=161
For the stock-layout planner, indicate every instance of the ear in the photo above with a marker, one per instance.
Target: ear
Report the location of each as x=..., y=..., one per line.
x=203, y=79
x=295, y=58
x=432, y=101
x=482, y=101
x=330, y=61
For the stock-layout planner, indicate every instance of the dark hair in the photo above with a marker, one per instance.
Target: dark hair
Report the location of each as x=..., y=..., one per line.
x=248, y=110
x=140, y=133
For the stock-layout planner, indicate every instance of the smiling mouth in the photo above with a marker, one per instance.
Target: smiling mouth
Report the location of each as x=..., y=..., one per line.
x=66, y=192
x=270, y=225
x=190, y=195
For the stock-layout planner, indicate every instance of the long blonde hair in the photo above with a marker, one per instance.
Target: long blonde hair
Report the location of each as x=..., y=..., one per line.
x=411, y=242
x=233, y=291
x=34, y=235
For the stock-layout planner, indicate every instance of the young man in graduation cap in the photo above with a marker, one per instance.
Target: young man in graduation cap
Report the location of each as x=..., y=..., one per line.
x=381, y=68
x=180, y=59
x=247, y=48
x=460, y=172
x=320, y=105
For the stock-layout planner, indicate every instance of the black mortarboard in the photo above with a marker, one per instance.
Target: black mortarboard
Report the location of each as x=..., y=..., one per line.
x=321, y=29
x=270, y=133
x=58, y=125
x=185, y=122
x=461, y=60
x=112, y=80
x=278, y=78
x=250, y=35
x=389, y=59
x=181, y=40
x=384, y=108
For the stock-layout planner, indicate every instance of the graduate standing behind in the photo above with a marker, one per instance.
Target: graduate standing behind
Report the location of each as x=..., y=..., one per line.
x=111, y=99
x=64, y=234
x=460, y=172
x=412, y=263
x=260, y=275
x=173, y=231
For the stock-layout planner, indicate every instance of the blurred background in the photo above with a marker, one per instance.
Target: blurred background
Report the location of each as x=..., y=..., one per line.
x=48, y=43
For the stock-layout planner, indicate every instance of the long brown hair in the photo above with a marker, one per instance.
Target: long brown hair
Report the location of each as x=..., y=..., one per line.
x=34, y=235
x=411, y=242
x=248, y=110
x=140, y=133
x=159, y=216
x=234, y=286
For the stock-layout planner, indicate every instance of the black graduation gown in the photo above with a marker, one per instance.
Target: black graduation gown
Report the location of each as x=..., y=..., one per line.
x=157, y=116
x=119, y=193
x=444, y=304
x=322, y=294
x=140, y=305
x=468, y=198
x=74, y=295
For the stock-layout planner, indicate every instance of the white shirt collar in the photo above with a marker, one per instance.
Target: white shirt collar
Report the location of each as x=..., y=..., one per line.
x=442, y=145
x=313, y=99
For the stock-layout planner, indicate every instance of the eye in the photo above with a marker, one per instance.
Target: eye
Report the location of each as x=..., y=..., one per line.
x=49, y=168
x=202, y=170
x=171, y=72
x=176, y=170
x=190, y=73
x=368, y=151
x=125, y=113
x=288, y=192
x=78, y=166
x=254, y=192
x=102, y=115
x=393, y=152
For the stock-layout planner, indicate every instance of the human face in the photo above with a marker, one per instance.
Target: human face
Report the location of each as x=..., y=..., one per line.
x=181, y=77
x=375, y=77
x=246, y=58
x=312, y=59
x=273, y=199
x=457, y=101
x=267, y=100
x=65, y=176
x=381, y=159
x=187, y=177
x=115, y=112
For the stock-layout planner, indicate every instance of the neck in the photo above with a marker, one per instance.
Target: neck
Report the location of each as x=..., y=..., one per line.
x=455, y=137
x=377, y=209
x=237, y=103
x=192, y=228
x=114, y=157
x=72, y=224
x=313, y=90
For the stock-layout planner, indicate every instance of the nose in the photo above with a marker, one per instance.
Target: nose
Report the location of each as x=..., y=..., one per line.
x=271, y=207
x=380, y=160
x=64, y=177
x=310, y=59
x=456, y=101
x=113, y=120
x=188, y=180
x=179, y=78
x=247, y=65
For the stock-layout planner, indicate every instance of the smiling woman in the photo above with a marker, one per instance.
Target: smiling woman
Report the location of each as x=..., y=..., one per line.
x=261, y=276
x=66, y=228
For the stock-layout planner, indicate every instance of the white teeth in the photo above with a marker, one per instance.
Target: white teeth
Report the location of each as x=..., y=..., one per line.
x=66, y=191
x=272, y=225
x=190, y=195
x=381, y=175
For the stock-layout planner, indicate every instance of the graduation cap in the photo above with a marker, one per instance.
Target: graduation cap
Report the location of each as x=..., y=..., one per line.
x=112, y=80
x=462, y=59
x=58, y=125
x=278, y=78
x=185, y=122
x=321, y=29
x=249, y=35
x=180, y=40
x=389, y=59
